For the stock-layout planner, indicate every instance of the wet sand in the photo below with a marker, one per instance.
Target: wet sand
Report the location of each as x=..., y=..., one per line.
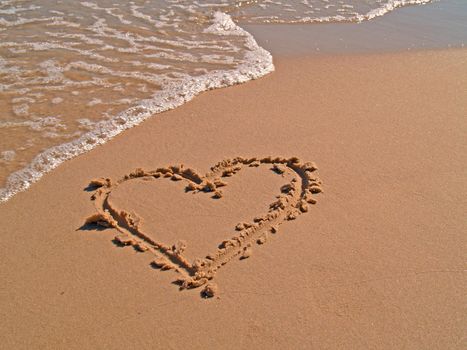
x=377, y=262
x=437, y=25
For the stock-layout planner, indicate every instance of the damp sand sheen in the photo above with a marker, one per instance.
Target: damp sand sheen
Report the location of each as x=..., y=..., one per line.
x=74, y=74
x=294, y=199
x=321, y=206
x=378, y=262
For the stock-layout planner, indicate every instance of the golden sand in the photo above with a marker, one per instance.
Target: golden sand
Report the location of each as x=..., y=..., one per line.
x=378, y=263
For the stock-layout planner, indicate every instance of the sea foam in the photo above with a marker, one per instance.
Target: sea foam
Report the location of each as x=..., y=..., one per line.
x=95, y=68
x=256, y=62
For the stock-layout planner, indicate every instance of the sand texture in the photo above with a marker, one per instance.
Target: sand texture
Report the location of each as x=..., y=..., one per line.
x=293, y=200
x=98, y=255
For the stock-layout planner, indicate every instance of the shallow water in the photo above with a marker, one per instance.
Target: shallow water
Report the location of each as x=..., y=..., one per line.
x=73, y=74
x=440, y=25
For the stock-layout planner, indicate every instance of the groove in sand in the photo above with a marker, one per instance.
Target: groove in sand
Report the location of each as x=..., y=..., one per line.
x=293, y=201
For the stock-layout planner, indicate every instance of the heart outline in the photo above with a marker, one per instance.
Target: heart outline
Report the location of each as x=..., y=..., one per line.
x=291, y=203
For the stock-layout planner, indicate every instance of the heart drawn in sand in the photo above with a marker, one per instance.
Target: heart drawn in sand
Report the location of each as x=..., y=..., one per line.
x=293, y=200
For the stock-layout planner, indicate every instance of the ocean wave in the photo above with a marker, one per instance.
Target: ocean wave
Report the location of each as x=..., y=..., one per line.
x=257, y=62
x=79, y=73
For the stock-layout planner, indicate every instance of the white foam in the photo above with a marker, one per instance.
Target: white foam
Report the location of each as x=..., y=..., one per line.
x=140, y=50
x=86, y=124
x=49, y=123
x=14, y=10
x=93, y=102
x=391, y=5
x=343, y=12
x=256, y=63
x=21, y=110
x=7, y=156
x=57, y=100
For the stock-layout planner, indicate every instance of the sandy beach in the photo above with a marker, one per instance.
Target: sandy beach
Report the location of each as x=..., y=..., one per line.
x=377, y=263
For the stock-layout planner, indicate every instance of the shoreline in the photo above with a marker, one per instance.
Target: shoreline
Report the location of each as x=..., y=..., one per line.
x=379, y=36
x=257, y=63
x=433, y=26
x=376, y=263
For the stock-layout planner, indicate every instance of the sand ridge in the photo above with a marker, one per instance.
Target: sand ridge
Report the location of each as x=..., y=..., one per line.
x=293, y=200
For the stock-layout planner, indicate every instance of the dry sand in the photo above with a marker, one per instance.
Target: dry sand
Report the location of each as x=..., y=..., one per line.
x=378, y=262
